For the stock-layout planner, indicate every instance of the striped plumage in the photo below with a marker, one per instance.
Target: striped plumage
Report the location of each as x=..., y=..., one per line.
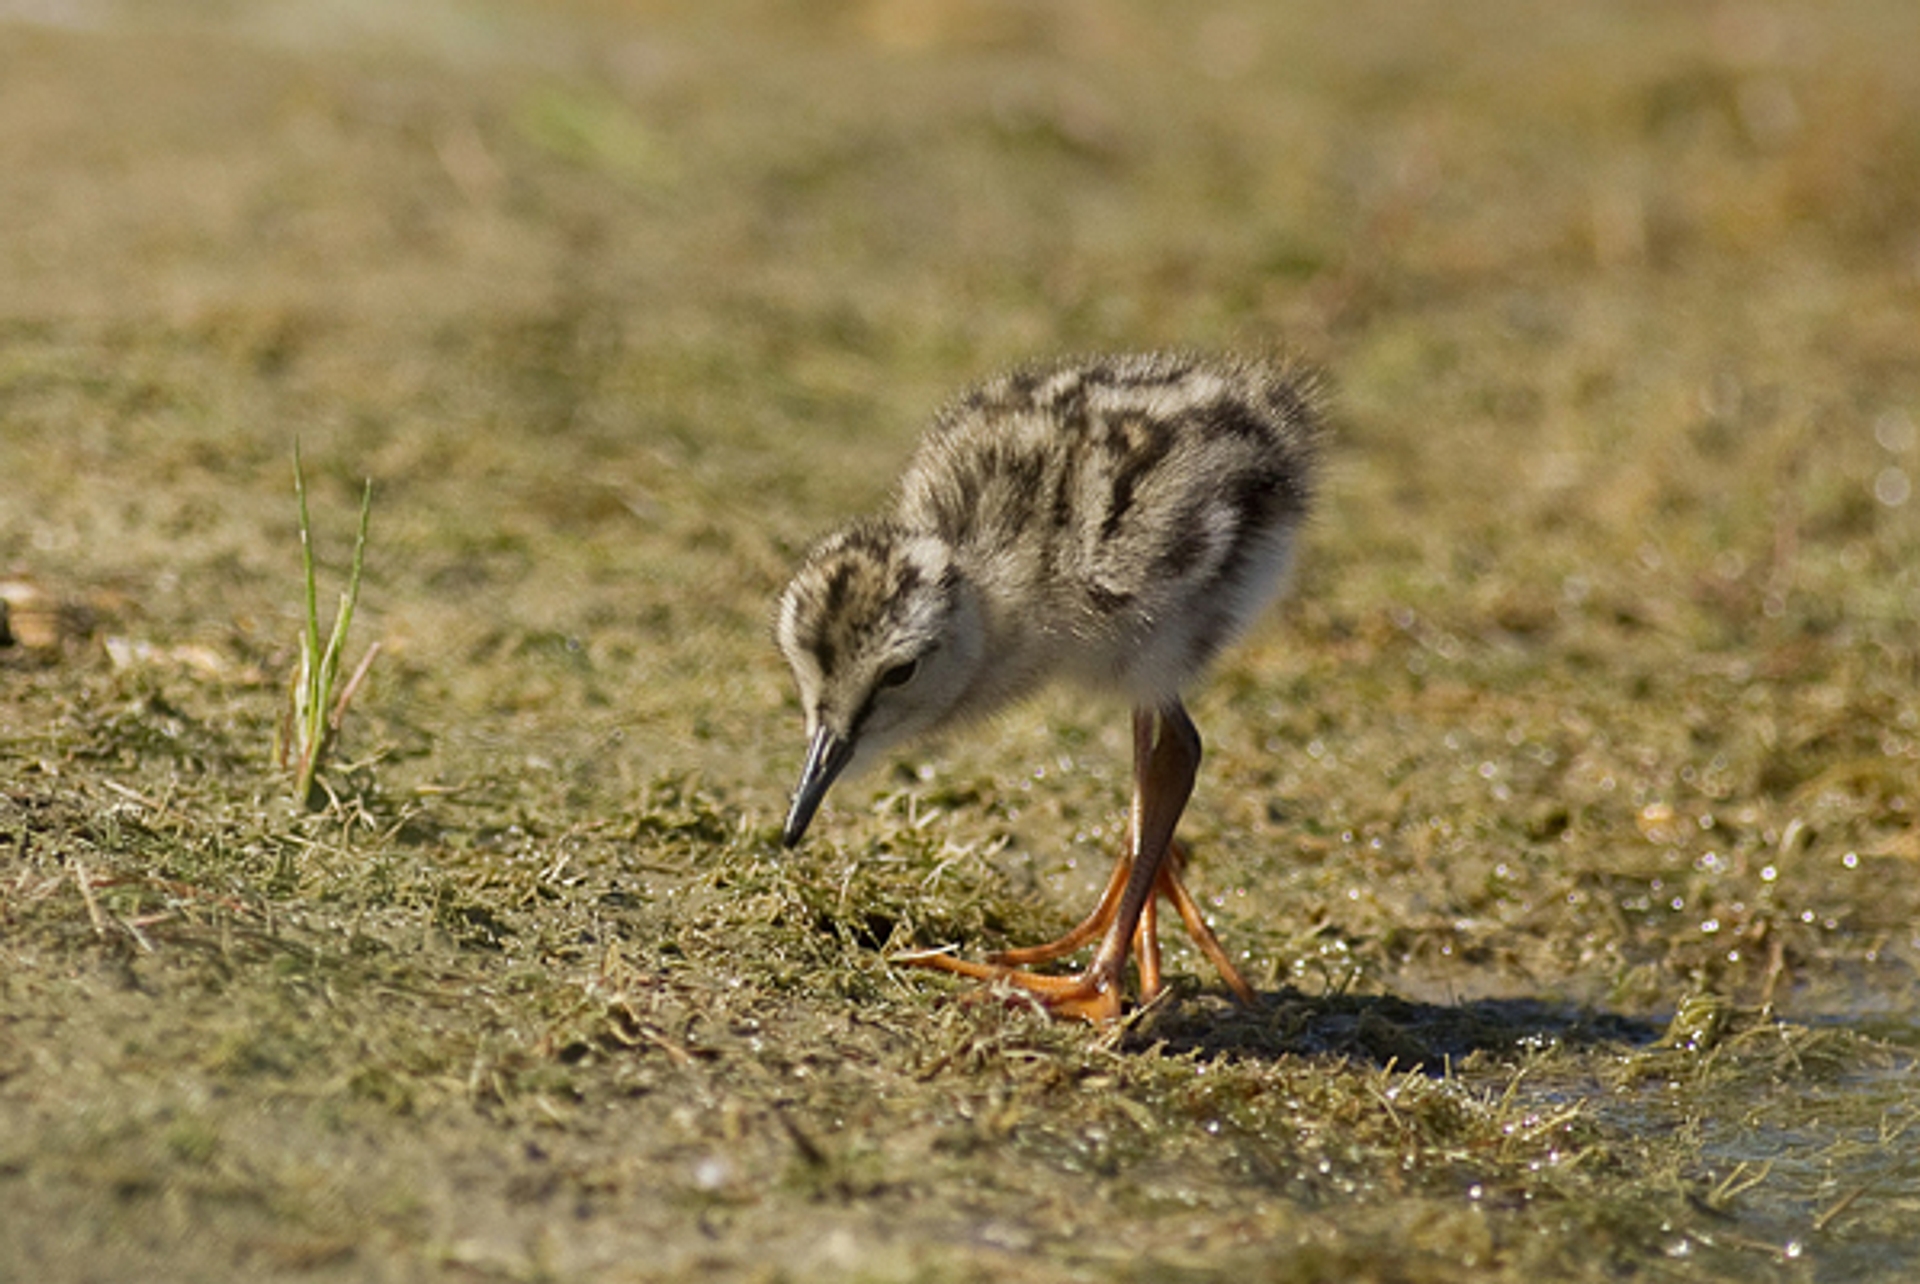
x=1111, y=522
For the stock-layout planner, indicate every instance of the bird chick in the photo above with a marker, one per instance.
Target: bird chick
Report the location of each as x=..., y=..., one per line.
x=1112, y=523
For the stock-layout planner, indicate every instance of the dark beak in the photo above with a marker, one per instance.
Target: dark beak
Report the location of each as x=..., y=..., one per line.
x=826, y=757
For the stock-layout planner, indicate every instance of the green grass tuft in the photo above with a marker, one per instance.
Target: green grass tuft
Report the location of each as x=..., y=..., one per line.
x=316, y=701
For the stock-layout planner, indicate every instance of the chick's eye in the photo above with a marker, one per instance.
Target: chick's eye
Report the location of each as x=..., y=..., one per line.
x=900, y=674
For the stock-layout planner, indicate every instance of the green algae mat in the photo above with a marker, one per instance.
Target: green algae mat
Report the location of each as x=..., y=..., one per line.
x=1566, y=817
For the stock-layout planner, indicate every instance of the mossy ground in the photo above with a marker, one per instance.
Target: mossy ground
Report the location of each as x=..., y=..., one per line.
x=1568, y=817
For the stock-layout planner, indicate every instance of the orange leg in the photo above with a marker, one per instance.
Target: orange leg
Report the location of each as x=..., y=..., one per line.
x=1174, y=890
x=1127, y=915
x=1089, y=929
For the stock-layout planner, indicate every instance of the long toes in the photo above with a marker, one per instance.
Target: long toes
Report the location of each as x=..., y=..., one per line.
x=1086, y=996
x=1093, y=1003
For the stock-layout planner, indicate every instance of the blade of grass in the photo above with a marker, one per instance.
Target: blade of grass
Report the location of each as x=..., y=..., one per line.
x=315, y=712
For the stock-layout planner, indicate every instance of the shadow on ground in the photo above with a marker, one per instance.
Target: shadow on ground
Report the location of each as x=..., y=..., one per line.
x=1381, y=1029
